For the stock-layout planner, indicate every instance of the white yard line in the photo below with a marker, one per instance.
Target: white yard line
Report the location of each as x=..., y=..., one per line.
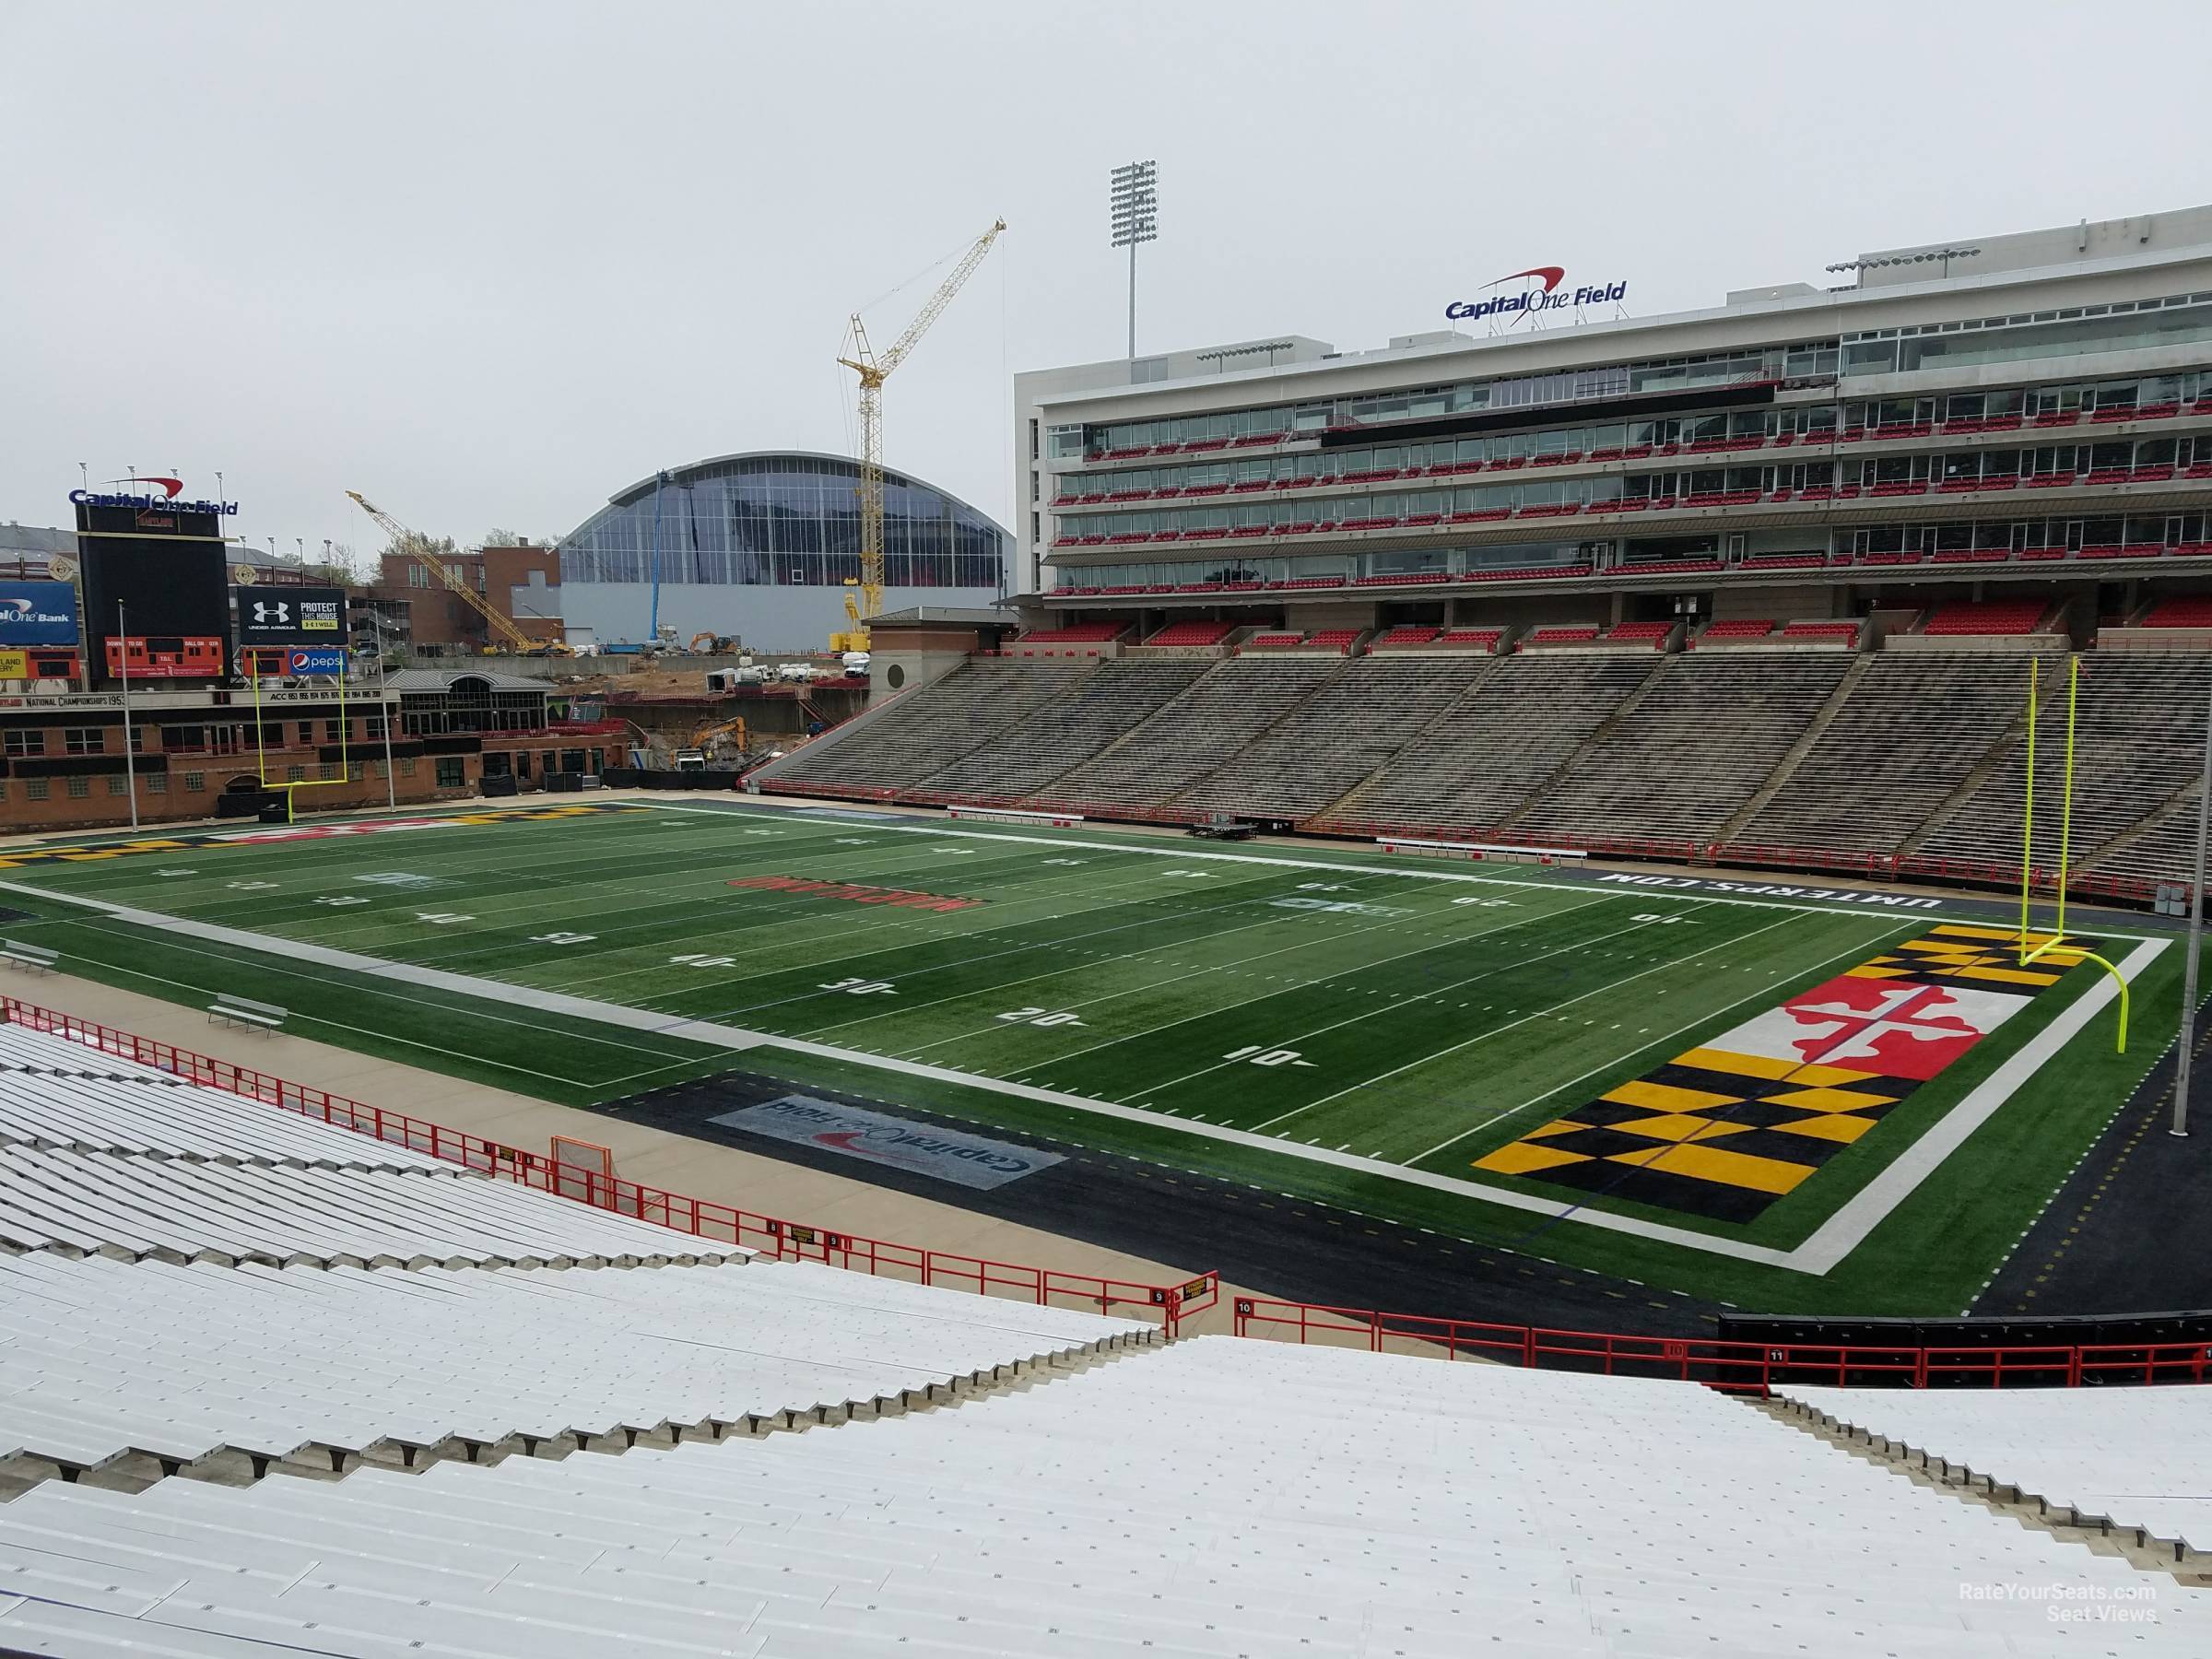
x=1830, y=1244
x=1659, y=1042
x=1913, y=905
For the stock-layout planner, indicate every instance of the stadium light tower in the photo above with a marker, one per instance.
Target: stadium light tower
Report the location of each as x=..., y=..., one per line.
x=1133, y=196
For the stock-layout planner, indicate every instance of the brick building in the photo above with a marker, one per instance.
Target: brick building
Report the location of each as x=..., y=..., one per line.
x=522, y=582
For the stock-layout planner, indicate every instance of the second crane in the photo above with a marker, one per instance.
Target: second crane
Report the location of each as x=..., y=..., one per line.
x=863, y=599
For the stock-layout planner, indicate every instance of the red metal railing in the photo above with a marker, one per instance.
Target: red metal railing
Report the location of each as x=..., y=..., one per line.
x=701, y=1218
x=1732, y=1367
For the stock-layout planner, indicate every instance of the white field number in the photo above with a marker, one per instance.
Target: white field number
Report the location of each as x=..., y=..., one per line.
x=860, y=987
x=441, y=918
x=1487, y=903
x=1049, y=861
x=251, y=887
x=342, y=899
x=694, y=959
x=1324, y=886
x=175, y=872
x=1039, y=1017
x=1660, y=920
x=562, y=938
x=1254, y=1054
x=1190, y=875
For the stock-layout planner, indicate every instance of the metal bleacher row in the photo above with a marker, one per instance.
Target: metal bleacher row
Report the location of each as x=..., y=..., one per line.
x=1213, y=1497
x=1899, y=759
x=194, y=1278
x=328, y=1458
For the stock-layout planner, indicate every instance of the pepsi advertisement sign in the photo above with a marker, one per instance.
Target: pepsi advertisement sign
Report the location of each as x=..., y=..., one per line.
x=327, y=659
x=37, y=613
x=1531, y=292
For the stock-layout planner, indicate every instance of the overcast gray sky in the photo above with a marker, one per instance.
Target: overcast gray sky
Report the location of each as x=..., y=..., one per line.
x=489, y=264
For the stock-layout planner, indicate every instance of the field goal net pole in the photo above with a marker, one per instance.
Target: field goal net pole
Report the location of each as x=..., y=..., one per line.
x=2195, y=889
x=2054, y=945
x=261, y=751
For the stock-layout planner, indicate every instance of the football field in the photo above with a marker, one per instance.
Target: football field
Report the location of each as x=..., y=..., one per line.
x=1795, y=1098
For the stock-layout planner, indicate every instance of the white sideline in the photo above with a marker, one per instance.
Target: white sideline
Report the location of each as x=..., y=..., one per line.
x=1829, y=1244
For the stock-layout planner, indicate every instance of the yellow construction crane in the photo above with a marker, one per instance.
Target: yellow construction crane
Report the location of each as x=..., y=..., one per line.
x=416, y=545
x=863, y=599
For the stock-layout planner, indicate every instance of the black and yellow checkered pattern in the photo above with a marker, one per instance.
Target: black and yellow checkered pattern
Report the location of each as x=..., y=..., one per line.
x=1721, y=1135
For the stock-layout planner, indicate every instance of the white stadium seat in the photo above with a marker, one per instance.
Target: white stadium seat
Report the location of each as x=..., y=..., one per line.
x=1212, y=1498
x=2134, y=1456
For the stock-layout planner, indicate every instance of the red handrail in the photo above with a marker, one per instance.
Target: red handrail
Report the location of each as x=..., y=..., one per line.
x=701, y=1218
x=1732, y=1367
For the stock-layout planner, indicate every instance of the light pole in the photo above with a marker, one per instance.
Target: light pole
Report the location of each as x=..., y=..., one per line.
x=2196, y=924
x=130, y=770
x=1133, y=194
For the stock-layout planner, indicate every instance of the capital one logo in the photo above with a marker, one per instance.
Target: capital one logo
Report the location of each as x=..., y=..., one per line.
x=1539, y=289
x=171, y=488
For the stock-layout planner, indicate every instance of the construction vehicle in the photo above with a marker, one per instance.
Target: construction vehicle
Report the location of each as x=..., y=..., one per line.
x=416, y=546
x=699, y=753
x=863, y=599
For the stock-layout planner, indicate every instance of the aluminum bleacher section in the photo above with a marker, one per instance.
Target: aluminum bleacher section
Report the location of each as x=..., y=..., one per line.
x=1488, y=753
x=1215, y=1498
x=1209, y=724
x=1066, y=731
x=181, y=1210
x=105, y=1363
x=898, y=745
x=1348, y=729
x=2138, y=742
x=1913, y=733
x=1694, y=749
x=2134, y=1456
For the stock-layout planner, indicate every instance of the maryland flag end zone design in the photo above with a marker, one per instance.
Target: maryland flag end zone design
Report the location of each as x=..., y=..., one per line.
x=1724, y=1130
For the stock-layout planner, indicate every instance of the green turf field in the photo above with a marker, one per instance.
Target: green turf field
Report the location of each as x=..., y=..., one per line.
x=1316, y=1023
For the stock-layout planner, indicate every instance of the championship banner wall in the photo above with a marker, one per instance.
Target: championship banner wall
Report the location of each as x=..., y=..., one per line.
x=37, y=613
x=289, y=616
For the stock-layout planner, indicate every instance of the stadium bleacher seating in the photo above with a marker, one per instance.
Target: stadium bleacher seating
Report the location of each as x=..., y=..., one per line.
x=1274, y=641
x=1075, y=633
x=1336, y=737
x=1406, y=637
x=2138, y=742
x=1207, y=725
x=1066, y=731
x=1581, y=633
x=1987, y=617
x=927, y=728
x=1723, y=725
x=1192, y=633
x=1478, y=639
x=1312, y=1501
x=1820, y=633
x=1737, y=628
x=1638, y=633
x=1915, y=729
x=1497, y=745
x=2179, y=613
x=198, y=1277
x=2114, y=1461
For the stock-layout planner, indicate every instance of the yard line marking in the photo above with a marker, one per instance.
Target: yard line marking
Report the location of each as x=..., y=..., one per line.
x=1940, y=911
x=1307, y=943
x=1703, y=1018
x=1829, y=1244
x=1355, y=1019
x=1242, y=1002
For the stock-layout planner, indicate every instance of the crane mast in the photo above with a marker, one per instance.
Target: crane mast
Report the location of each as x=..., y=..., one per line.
x=863, y=603
x=416, y=545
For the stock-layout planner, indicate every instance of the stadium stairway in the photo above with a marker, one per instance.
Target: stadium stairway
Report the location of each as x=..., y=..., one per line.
x=1217, y=1497
x=2099, y=1471
x=1785, y=767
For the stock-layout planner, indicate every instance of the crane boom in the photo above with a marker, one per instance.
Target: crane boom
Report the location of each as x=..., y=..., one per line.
x=416, y=545
x=865, y=606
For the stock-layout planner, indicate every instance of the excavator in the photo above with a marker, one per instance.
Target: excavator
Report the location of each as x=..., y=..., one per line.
x=712, y=734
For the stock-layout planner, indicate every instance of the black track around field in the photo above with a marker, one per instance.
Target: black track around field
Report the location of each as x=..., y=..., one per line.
x=2131, y=1229
x=1259, y=1241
